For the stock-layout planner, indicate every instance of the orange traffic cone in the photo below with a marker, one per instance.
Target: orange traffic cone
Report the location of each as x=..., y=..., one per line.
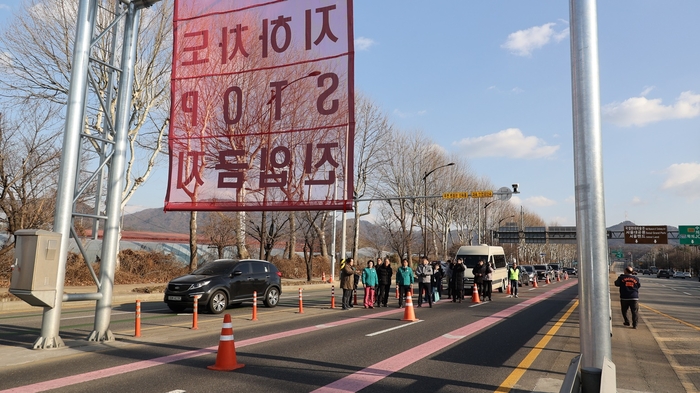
x=558, y=279
x=226, y=354
x=566, y=276
x=408, y=313
x=323, y=277
x=508, y=289
x=534, y=283
x=546, y=281
x=475, y=295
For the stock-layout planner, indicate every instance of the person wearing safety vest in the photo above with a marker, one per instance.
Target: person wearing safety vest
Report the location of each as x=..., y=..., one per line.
x=514, y=277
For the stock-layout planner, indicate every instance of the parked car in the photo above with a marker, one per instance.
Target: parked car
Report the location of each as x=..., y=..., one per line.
x=646, y=271
x=687, y=275
x=544, y=272
x=531, y=273
x=663, y=273
x=225, y=282
x=572, y=271
x=679, y=275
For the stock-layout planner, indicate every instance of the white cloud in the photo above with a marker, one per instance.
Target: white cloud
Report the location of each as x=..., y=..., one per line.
x=683, y=179
x=570, y=199
x=637, y=201
x=363, y=43
x=405, y=115
x=523, y=42
x=4, y=7
x=540, y=201
x=646, y=91
x=507, y=143
x=639, y=111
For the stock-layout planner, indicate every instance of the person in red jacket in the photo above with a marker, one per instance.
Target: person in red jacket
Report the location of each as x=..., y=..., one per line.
x=629, y=295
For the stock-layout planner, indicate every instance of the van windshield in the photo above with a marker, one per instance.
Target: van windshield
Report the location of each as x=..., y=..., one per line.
x=470, y=261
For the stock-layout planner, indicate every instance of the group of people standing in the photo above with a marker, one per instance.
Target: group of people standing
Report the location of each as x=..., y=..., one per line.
x=376, y=279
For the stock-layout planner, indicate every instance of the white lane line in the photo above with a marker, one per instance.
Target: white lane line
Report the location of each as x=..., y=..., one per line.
x=478, y=304
x=394, y=328
x=689, y=294
x=178, y=391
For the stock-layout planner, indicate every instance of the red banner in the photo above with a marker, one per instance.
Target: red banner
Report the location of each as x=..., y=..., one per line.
x=262, y=112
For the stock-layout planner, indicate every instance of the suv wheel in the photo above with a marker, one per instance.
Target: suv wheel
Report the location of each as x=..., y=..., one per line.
x=272, y=297
x=218, y=302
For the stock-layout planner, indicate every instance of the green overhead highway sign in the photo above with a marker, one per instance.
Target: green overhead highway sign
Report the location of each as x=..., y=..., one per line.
x=689, y=234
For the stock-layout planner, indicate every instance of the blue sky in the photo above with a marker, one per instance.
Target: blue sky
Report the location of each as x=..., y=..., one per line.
x=491, y=80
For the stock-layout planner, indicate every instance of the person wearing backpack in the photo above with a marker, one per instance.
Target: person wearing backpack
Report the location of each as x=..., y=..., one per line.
x=404, y=280
x=369, y=280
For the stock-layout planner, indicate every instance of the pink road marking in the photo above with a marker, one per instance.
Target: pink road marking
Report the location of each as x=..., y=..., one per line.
x=378, y=371
x=144, y=364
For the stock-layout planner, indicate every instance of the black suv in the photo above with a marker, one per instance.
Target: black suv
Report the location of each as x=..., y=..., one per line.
x=663, y=273
x=225, y=282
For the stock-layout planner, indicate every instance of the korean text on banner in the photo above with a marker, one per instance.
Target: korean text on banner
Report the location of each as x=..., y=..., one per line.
x=262, y=105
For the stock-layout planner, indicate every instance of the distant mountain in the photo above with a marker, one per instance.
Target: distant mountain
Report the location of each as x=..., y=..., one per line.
x=156, y=220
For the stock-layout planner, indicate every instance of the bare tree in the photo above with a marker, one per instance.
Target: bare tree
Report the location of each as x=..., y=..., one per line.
x=220, y=229
x=36, y=66
x=29, y=158
x=269, y=232
x=372, y=131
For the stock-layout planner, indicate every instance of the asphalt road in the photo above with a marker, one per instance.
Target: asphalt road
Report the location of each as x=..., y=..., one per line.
x=454, y=347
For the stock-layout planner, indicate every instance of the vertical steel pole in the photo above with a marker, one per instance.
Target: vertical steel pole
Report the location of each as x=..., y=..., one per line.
x=590, y=204
x=110, y=240
x=87, y=9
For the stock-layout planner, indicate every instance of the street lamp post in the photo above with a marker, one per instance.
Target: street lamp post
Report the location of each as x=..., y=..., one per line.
x=482, y=228
x=425, y=206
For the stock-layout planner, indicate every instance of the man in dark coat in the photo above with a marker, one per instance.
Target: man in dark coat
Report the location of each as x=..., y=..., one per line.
x=384, y=274
x=347, y=283
x=629, y=295
x=457, y=281
x=479, y=273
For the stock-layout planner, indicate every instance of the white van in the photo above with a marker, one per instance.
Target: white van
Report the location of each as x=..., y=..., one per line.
x=494, y=256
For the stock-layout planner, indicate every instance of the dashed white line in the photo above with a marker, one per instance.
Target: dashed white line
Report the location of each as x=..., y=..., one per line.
x=394, y=328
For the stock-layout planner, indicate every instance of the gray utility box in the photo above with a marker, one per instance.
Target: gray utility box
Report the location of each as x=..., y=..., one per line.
x=36, y=267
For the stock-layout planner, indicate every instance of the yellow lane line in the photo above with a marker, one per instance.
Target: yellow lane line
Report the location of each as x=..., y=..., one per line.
x=520, y=369
x=670, y=317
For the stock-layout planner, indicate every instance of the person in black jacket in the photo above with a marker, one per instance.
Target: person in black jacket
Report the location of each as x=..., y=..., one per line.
x=629, y=295
x=458, y=281
x=384, y=274
x=479, y=272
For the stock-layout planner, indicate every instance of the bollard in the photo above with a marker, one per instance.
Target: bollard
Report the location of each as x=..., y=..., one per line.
x=397, y=291
x=194, y=313
x=301, y=302
x=332, y=296
x=255, y=306
x=355, y=301
x=137, y=328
